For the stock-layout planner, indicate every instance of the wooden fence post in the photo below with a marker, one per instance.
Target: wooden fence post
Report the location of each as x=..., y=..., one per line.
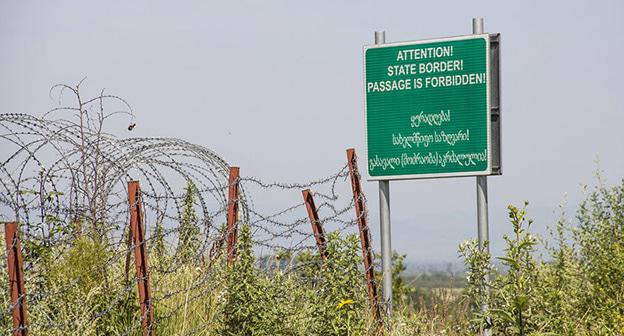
x=317, y=227
x=16, y=279
x=365, y=238
x=137, y=227
x=232, y=219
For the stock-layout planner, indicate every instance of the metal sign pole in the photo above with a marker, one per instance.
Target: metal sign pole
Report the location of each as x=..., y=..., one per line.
x=384, y=220
x=482, y=211
x=482, y=195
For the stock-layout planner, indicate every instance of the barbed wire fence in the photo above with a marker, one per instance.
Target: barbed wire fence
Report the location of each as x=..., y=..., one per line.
x=151, y=204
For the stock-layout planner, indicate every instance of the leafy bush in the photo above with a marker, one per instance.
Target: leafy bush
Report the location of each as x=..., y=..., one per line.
x=478, y=272
x=188, y=230
x=332, y=304
x=579, y=290
x=92, y=302
x=342, y=295
x=513, y=301
x=600, y=237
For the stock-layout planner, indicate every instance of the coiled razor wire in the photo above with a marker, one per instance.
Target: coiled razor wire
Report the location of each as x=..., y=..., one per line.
x=62, y=178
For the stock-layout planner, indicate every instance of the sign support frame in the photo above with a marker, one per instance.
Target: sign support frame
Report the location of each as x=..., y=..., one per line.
x=482, y=192
x=385, y=227
x=494, y=164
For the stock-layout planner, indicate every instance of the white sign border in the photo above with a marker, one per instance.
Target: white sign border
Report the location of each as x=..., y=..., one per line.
x=485, y=172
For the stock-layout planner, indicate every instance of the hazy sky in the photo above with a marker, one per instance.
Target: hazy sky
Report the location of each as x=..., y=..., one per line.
x=276, y=87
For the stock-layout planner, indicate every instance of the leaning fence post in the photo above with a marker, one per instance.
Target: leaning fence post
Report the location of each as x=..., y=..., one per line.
x=16, y=279
x=137, y=229
x=317, y=227
x=232, y=219
x=365, y=238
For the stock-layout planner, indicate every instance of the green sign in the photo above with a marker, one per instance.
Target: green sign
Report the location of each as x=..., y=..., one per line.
x=427, y=108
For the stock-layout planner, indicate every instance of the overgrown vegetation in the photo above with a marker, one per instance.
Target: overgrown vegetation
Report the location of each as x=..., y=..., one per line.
x=578, y=289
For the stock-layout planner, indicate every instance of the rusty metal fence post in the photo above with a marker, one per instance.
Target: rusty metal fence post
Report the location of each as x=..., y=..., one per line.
x=365, y=238
x=16, y=279
x=317, y=227
x=137, y=227
x=232, y=219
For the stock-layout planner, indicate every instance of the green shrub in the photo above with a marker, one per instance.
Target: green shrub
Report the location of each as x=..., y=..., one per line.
x=513, y=301
x=342, y=294
x=600, y=237
x=256, y=304
x=188, y=231
x=479, y=269
x=87, y=300
x=579, y=290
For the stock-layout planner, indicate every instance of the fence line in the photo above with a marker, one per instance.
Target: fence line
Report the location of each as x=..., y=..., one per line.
x=137, y=229
x=365, y=237
x=317, y=226
x=16, y=279
x=232, y=219
x=74, y=191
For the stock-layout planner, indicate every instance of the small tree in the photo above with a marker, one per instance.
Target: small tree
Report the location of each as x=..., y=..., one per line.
x=188, y=230
x=513, y=310
x=158, y=243
x=240, y=313
x=478, y=270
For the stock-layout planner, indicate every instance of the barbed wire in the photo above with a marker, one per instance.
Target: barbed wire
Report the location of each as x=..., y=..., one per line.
x=63, y=180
